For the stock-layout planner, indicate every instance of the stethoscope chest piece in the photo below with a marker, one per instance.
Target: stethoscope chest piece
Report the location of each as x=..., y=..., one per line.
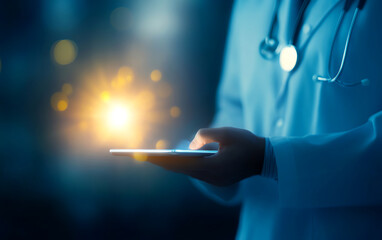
x=288, y=58
x=268, y=48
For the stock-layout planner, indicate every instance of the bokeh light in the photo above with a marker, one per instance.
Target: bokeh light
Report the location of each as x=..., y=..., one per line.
x=64, y=52
x=59, y=101
x=112, y=110
x=124, y=77
x=120, y=18
x=140, y=157
x=156, y=75
x=175, y=112
x=62, y=105
x=161, y=144
x=58, y=88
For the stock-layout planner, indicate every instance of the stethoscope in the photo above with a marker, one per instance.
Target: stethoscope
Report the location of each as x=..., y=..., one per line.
x=288, y=55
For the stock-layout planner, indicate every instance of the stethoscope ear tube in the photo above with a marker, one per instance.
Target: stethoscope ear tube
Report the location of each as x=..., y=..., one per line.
x=335, y=79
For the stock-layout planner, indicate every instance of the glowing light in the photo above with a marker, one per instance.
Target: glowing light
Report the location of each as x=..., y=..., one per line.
x=288, y=58
x=175, y=112
x=62, y=105
x=64, y=52
x=59, y=101
x=67, y=89
x=156, y=75
x=120, y=18
x=140, y=157
x=105, y=96
x=118, y=117
x=161, y=144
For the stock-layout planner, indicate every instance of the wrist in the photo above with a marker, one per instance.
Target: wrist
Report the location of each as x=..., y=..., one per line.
x=269, y=169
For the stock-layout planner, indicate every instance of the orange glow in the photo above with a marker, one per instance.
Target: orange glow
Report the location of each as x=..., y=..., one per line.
x=156, y=75
x=140, y=157
x=175, y=112
x=161, y=144
x=83, y=126
x=113, y=111
x=59, y=101
x=118, y=117
x=124, y=78
x=62, y=105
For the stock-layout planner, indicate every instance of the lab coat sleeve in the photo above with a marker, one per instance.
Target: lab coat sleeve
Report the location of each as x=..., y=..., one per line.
x=333, y=170
x=228, y=110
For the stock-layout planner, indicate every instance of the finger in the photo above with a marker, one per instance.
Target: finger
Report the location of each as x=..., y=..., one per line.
x=209, y=135
x=210, y=146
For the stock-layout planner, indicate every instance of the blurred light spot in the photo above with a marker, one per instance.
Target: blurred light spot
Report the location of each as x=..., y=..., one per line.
x=120, y=18
x=158, y=19
x=59, y=101
x=140, y=157
x=64, y=52
x=164, y=90
x=62, y=15
x=62, y=105
x=156, y=75
x=161, y=144
x=105, y=96
x=67, y=89
x=146, y=99
x=175, y=112
x=118, y=117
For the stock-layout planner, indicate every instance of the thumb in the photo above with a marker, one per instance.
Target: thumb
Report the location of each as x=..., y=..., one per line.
x=209, y=135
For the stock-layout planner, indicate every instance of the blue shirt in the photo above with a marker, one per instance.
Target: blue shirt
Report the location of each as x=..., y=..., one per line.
x=327, y=139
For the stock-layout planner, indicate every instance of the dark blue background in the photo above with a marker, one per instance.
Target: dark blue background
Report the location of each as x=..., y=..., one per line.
x=45, y=190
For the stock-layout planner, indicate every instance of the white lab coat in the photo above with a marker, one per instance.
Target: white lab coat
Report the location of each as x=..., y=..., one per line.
x=327, y=139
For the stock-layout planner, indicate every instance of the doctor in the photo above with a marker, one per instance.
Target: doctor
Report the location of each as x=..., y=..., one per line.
x=301, y=94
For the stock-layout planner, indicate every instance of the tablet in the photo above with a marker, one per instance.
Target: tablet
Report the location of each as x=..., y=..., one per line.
x=162, y=152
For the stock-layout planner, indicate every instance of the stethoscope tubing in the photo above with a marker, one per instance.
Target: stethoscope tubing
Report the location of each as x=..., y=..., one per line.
x=335, y=79
x=294, y=38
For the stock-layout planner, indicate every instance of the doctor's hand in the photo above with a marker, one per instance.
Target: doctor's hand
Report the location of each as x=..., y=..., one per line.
x=241, y=155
